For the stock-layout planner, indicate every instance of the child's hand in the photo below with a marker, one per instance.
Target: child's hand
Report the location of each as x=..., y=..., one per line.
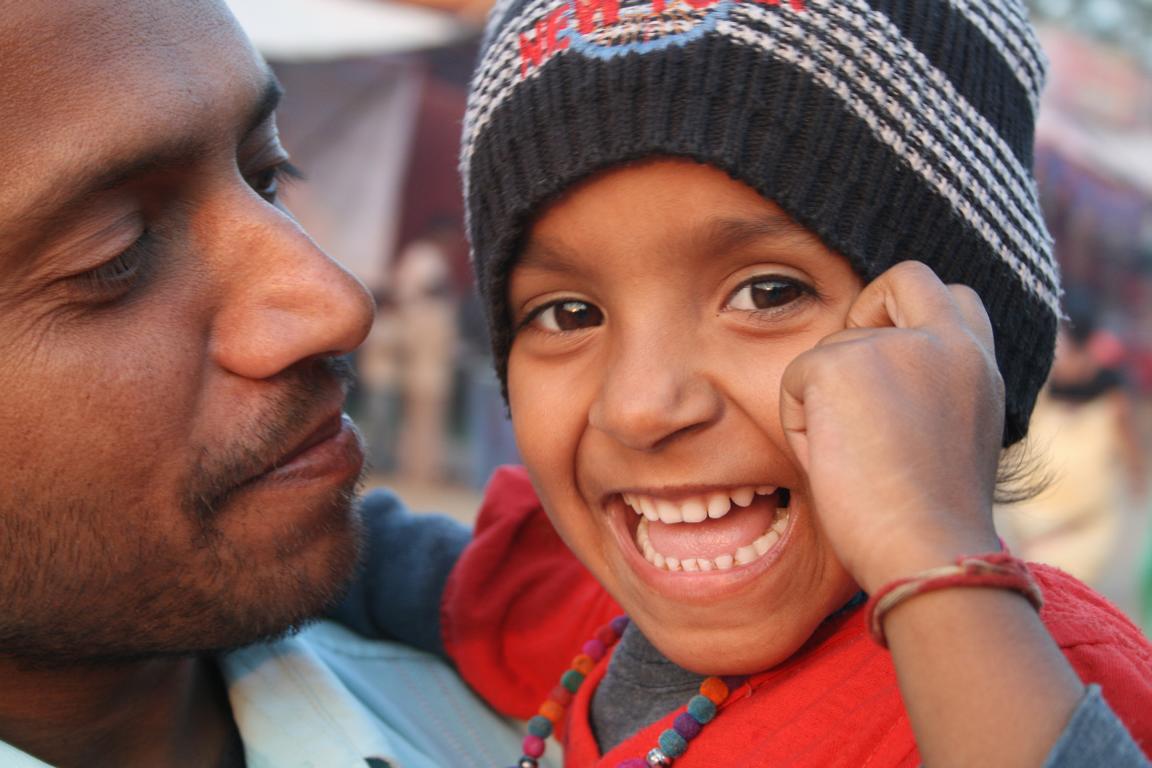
x=897, y=421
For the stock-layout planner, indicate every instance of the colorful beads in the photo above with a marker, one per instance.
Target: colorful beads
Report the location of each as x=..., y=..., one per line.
x=702, y=709
x=658, y=758
x=540, y=726
x=672, y=743
x=551, y=712
x=686, y=725
x=583, y=664
x=714, y=690
x=533, y=746
x=594, y=649
x=560, y=695
x=572, y=680
x=606, y=635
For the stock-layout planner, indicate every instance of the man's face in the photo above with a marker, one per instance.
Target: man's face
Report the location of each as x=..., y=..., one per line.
x=175, y=474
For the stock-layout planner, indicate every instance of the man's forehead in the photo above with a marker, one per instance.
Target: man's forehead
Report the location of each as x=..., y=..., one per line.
x=86, y=82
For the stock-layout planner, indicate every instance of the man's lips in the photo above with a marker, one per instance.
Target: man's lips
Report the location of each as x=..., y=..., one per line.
x=332, y=445
x=328, y=428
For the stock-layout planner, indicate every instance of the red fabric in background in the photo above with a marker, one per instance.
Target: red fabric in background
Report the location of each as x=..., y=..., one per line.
x=519, y=606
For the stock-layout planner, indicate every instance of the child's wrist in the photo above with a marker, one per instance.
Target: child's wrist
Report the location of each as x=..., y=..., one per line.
x=905, y=556
x=993, y=570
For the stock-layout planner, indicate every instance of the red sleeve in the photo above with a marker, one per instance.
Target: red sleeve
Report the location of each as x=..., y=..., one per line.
x=518, y=605
x=1103, y=646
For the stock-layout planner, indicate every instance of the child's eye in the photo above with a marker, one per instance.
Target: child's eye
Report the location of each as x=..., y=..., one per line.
x=762, y=293
x=566, y=315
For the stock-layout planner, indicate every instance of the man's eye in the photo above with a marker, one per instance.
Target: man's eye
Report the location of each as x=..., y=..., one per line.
x=567, y=315
x=122, y=273
x=762, y=293
x=267, y=182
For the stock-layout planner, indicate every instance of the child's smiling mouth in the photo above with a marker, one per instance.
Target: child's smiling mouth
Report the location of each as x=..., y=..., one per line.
x=697, y=533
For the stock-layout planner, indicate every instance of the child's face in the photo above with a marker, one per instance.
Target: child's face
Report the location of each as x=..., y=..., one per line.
x=658, y=306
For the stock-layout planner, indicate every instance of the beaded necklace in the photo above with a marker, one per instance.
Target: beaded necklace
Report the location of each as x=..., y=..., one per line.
x=671, y=744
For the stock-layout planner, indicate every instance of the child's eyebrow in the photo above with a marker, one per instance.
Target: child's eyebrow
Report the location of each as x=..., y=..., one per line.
x=546, y=257
x=725, y=233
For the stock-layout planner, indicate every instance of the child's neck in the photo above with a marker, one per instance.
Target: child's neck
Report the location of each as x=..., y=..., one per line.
x=640, y=686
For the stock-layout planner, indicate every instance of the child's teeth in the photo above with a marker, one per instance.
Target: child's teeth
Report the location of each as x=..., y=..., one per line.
x=718, y=505
x=669, y=512
x=742, y=556
x=693, y=511
x=746, y=554
x=743, y=496
x=765, y=542
x=698, y=509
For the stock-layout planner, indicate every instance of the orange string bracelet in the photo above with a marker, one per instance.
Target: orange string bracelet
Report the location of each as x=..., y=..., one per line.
x=997, y=570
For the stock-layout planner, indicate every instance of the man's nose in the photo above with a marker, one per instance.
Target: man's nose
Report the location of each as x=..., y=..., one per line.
x=284, y=300
x=654, y=389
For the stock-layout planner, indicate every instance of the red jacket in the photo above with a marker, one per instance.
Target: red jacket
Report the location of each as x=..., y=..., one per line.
x=518, y=606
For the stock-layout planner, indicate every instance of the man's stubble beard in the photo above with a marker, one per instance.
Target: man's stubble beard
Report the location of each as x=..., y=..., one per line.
x=77, y=590
x=94, y=615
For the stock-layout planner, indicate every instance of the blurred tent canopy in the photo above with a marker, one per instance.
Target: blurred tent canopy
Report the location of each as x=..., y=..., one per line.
x=355, y=76
x=1098, y=108
x=301, y=30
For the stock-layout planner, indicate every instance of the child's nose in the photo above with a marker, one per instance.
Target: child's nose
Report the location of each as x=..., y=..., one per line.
x=653, y=392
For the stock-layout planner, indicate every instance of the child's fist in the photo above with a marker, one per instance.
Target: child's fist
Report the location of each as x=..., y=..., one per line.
x=897, y=421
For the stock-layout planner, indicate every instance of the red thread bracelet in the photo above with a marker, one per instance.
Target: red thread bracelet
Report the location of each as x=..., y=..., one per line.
x=998, y=570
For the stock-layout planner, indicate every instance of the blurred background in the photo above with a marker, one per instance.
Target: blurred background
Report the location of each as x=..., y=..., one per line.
x=376, y=92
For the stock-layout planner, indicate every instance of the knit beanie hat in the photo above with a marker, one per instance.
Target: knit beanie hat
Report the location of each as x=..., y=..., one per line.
x=892, y=129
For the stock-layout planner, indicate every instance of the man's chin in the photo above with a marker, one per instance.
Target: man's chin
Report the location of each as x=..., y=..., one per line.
x=220, y=598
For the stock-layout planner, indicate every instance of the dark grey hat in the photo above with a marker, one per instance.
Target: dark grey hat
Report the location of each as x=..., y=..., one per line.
x=893, y=130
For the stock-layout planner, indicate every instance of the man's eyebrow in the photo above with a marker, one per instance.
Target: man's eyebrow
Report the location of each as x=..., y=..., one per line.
x=267, y=104
x=156, y=160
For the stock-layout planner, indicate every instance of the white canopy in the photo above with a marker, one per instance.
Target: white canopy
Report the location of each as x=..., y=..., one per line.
x=300, y=30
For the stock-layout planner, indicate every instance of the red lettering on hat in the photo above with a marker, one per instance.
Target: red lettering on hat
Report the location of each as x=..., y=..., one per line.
x=586, y=11
x=532, y=48
x=557, y=22
x=544, y=40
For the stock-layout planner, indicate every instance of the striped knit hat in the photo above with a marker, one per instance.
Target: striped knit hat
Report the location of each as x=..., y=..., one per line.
x=891, y=129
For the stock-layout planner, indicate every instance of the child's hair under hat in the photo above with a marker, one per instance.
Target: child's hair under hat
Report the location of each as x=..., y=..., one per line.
x=893, y=130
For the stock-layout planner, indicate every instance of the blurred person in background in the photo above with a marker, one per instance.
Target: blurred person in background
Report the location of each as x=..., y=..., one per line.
x=379, y=371
x=1083, y=434
x=426, y=318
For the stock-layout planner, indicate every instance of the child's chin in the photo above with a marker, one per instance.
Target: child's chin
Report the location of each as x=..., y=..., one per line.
x=737, y=650
x=733, y=654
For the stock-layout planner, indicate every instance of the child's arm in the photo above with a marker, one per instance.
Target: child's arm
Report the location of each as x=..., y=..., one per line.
x=897, y=422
